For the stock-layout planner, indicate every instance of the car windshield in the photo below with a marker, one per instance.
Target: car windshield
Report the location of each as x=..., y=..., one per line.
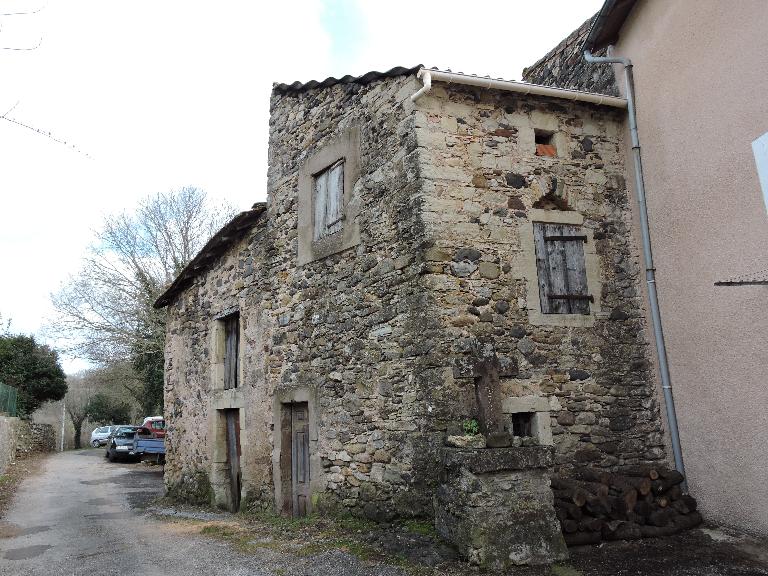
x=127, y=432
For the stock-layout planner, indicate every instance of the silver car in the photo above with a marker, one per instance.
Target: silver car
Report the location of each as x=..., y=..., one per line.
x=100, y=435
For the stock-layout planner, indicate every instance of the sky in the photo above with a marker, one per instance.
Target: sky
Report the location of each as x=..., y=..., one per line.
x=154, y=96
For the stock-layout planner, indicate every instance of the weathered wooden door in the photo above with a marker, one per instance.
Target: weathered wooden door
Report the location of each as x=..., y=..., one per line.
x=233, y=457
x=300, y=492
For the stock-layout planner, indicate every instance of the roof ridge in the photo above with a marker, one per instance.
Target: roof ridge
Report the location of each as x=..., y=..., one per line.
x=216, y=245
x=366, y=78
x=564, y=44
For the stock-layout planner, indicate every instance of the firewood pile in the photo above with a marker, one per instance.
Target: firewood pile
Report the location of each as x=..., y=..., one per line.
x=642, y=502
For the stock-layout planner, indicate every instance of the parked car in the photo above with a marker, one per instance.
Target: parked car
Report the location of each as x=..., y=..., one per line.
x=120, y=444
x=100, y=435
x=156, y=424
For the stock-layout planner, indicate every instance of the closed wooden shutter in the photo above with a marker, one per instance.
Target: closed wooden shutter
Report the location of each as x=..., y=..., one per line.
x=334, y=209
x=231, y=350
x=320, y=201
x=329, y=201
x=561, y=269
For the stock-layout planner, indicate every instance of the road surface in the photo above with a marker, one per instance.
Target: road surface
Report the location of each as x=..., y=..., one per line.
x=81, y=516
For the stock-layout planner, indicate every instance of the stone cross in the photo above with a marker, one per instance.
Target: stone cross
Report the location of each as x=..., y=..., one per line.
x=488, y=396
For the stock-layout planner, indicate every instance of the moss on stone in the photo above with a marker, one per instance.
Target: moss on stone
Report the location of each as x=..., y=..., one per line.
x=195, y=489
x=564, y=570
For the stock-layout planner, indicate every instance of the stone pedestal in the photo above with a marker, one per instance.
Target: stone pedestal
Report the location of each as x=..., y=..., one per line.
x=496, y=506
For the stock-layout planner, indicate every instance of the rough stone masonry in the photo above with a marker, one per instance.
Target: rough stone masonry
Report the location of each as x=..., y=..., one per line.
x=378, y=330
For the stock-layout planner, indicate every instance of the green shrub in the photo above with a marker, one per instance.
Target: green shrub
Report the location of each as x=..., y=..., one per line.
x=470, y=427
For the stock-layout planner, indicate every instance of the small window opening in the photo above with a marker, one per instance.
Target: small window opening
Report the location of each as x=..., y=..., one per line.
x=522, y=424
x=545, y=143
x=231, y=350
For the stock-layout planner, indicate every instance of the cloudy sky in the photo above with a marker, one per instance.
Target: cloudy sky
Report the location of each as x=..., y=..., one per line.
x=150, y=96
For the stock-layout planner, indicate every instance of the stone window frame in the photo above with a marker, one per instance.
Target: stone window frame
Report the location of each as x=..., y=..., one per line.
x=218, y=343
x=345, y=147
x=225, y=399
x=531, y=275
x=541, y=425
x=541, y=121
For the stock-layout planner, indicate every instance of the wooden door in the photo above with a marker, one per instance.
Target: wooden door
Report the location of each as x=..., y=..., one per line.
x=233, y=457
x=300, y=493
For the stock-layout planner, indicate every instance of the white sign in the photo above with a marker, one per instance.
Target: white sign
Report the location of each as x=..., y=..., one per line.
x=760, y=149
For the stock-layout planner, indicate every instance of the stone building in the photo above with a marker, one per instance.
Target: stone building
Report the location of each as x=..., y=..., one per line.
x=323, y=346
x=702, y=117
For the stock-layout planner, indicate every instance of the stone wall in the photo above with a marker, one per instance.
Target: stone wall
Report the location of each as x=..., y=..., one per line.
x=380, y=338
x=8, y=433
x=495, y=506
x=564, y=67
x=348, y=330
x=483, y=185
x=35, y=437
x=21, y=437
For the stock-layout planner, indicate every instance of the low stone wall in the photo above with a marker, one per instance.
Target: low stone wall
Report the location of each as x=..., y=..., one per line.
x=20, y=437
x=495, y=506
x=8, y=435
x=34, y=437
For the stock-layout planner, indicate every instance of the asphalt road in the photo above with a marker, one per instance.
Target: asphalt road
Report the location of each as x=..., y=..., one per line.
x=78, y=517
x=82, y=516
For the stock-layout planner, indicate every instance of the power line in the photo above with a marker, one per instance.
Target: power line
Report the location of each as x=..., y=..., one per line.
x=42, y=133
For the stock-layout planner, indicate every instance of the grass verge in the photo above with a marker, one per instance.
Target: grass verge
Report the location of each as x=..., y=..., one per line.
x=17, y=471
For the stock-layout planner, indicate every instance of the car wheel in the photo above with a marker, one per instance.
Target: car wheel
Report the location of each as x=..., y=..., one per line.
x=110, y=456
x=95, y=444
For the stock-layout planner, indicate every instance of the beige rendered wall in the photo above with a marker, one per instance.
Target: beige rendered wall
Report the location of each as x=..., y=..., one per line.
x=701, y=80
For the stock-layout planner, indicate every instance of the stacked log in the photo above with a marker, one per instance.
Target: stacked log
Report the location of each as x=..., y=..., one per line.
x=641, y=502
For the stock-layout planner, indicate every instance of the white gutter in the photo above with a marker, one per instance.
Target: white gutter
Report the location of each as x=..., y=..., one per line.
x=428, y=76
x=426, y=79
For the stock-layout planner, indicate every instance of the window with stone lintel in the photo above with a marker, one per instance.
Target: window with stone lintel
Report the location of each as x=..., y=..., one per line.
x=328, y=206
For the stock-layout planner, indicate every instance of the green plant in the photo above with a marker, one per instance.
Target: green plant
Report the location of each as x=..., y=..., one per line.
x=470, y=427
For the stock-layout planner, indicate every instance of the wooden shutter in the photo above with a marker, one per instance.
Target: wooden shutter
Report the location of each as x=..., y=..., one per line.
x=329, y=201
x=562, y=272
x=231, y=350
x=335, y=205
x=320, y=201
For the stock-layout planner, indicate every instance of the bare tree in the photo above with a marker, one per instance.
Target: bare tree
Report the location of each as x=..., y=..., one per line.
x=76, y=401
x=105, y=312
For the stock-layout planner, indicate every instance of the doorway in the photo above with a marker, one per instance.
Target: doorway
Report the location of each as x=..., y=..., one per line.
x=294, y=459
x=233, y=458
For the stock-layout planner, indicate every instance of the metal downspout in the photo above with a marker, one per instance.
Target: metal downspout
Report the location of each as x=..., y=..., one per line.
x=650, y=270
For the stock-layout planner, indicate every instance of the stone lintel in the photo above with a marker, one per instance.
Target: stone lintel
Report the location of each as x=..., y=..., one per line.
x=488, y=460
x=515, y=404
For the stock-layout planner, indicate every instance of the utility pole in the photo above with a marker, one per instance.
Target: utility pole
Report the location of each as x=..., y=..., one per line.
x=63, y=414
